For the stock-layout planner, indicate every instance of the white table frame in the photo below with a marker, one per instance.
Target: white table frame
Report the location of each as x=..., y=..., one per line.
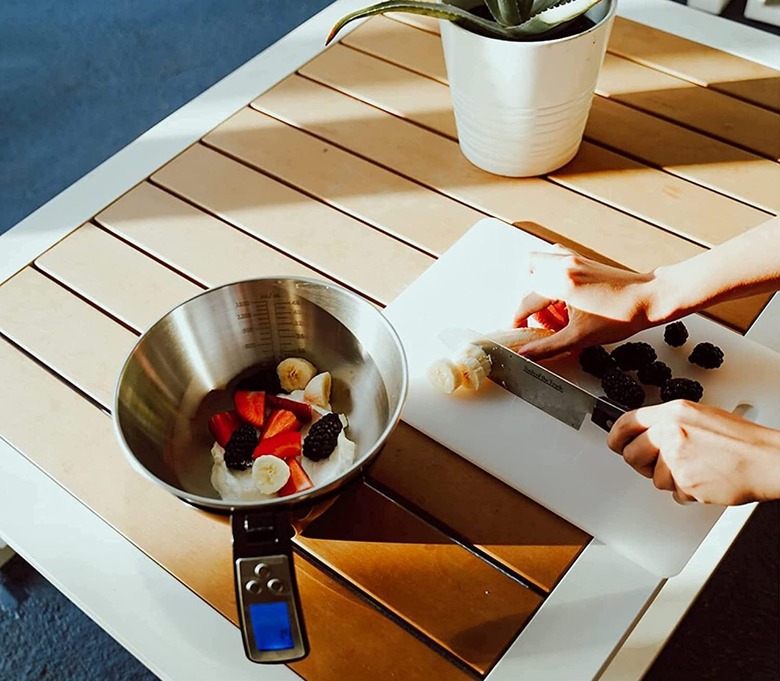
x=123, y=590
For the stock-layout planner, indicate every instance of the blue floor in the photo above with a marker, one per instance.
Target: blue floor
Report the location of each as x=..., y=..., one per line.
x=80, y=79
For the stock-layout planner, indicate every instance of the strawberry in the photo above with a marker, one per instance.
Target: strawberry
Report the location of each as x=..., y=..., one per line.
x=279, y=421
x=250, y=405
x=298, y=480
x=222, y=425
x=285, y=445
x=302, y=410
x=521, y=323
x=554, y=317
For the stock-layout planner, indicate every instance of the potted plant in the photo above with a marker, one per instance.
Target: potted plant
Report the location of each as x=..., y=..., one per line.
x=521, y=72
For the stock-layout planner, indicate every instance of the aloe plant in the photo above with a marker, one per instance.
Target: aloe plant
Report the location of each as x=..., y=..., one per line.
x=512, y=19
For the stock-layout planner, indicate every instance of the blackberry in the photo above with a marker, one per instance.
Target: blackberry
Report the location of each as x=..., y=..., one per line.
x=681, y=389
x=633, y=355
x=596, y=360
x=322, y=438
x=239, y=448
x=675, y=334
x=706, y=355
x=623, y=389
x=656, y=373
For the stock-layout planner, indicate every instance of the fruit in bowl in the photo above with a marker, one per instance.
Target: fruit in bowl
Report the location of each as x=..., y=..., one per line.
x=273, y=445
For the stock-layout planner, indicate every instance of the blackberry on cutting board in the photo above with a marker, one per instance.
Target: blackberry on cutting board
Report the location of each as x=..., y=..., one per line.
x=239, y=448
x=631, y=356
x=706, y=355
x=675, y=334
x=656, y=373
x=322, y=438
x=681, y=389
x=622, y=389
x=596, y=360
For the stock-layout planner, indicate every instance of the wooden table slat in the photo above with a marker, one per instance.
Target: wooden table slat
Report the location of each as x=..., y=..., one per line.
x=420, y=21
x=647, y=193
x=339, y=245
x=686, y=153
x=696, y=62
x=416, y=571
x=437, y=162
x=43, y=417
x=664, y=51
x=702, y=109
x=418, y=51
x=680, y=151
x=162, y=225
x=416, y=215
x=518, y=532
x=48, y=321
x=142, y=289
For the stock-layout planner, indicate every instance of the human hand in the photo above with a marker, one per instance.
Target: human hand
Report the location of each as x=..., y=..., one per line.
x=700, y=453
x=605, y=304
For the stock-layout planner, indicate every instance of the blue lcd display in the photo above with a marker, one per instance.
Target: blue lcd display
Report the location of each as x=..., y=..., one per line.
x=271, y=626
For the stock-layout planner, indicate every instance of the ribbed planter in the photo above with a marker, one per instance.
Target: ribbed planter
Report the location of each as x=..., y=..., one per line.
x=521, y=107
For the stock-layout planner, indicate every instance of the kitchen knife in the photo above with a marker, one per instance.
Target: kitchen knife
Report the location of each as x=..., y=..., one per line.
x=533, y=383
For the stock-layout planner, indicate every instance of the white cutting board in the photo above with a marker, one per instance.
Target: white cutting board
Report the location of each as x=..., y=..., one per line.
x=477, y=284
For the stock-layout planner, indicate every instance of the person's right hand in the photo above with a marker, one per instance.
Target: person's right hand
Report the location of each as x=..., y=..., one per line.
x=605, y=304
x=700, y=453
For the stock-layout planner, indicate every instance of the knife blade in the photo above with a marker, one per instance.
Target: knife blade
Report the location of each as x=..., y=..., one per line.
x=537, y=385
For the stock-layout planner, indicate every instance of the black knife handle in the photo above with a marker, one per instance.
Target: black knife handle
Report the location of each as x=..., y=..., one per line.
x=605, y=414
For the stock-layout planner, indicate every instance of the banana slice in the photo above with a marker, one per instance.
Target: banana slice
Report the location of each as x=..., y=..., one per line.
x=294, y=373
x=474, y=365
x=317, y=390
x=517, y=338
x=269, y=473
x=445, y=375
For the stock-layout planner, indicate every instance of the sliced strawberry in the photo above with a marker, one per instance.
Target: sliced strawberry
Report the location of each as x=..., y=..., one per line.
x=298, y=480
x=222, y=425
x=302, y=410
x=554, y=317
x=521, y=323
x=250, y=405
x=279, y=421
x=285, y=445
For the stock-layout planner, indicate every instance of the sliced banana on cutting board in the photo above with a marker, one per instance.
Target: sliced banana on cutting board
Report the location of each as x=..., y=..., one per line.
x=470, y=368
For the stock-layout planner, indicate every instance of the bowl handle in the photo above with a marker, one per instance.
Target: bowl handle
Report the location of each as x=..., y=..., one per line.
x=269, y=608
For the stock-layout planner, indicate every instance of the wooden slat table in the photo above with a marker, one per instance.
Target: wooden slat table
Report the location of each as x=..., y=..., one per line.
x=348, y=168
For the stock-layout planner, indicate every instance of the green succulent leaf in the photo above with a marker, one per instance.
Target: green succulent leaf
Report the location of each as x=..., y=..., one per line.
x=506, y=12
x=545, y=15
x=540, y=5
x=431, y=9
x=547, y=19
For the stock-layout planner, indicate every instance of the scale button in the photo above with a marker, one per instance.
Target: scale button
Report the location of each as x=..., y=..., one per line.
x=253, y=586
x=262, y=570
x=275, y=585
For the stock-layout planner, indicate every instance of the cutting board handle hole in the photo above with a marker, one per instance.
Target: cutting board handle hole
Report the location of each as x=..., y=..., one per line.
x=746, y=411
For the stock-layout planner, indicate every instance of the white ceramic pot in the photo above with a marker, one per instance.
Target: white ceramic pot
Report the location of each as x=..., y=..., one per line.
x=521, y=107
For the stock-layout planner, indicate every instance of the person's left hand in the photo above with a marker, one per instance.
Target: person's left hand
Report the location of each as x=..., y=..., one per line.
x=700, y=453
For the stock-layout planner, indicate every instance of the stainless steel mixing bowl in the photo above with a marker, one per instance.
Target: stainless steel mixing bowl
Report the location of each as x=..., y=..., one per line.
x=185, y=368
